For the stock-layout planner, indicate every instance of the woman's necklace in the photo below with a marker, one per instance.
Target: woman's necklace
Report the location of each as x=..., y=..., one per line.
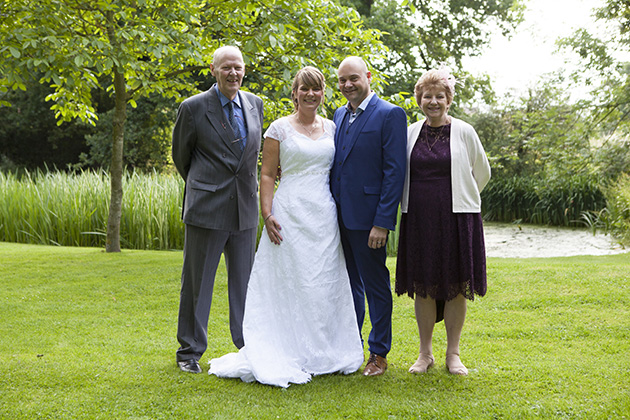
x=314, y=126
x=438, y=136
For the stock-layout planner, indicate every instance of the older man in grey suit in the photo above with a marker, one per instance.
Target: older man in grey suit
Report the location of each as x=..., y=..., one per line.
x=216, y=141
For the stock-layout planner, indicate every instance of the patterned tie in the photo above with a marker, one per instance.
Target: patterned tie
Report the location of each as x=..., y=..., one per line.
x=234, y=125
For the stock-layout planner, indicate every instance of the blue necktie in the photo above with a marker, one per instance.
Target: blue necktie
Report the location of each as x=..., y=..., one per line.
x=234, y=125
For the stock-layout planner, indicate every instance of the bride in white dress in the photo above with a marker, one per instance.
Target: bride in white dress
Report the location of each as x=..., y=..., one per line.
x=299, y=315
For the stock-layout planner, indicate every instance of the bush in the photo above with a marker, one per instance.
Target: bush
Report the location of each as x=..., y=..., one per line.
x=614, y=219
x=558, y=202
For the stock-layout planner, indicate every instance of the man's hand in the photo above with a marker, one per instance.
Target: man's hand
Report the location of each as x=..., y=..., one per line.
x=378, y=237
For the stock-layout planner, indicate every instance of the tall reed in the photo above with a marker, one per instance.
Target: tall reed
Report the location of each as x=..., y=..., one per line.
x=558, y=202
x=58, y=208
x=53, y=208
x=152, y=206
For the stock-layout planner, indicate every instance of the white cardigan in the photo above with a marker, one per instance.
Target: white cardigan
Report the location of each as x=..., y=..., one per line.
x=470, y=169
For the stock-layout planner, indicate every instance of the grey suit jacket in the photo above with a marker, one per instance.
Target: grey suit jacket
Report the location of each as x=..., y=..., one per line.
x=221, y=180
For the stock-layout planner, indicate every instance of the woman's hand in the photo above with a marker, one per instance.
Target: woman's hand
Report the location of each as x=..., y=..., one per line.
x=273, y=229
x=268, y=173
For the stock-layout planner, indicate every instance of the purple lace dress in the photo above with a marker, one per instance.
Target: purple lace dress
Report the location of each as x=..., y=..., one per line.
x=441, y=254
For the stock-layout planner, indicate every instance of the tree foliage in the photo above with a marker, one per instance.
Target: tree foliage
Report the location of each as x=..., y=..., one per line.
x=148, y=131
x=602, y=70
x=30, y=137
x=539, y=135
x=421, y=34
x=139, y=48
x=547, y=134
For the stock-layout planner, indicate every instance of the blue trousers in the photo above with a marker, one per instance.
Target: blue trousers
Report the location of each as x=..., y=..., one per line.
x=369, y=279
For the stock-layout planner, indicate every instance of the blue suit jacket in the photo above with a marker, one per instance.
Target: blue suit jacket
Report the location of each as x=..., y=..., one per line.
x=368, y=172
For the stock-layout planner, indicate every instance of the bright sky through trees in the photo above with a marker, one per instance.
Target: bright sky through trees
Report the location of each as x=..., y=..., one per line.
x=516, y=64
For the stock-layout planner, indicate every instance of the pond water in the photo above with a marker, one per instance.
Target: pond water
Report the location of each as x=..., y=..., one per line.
x=507, y=240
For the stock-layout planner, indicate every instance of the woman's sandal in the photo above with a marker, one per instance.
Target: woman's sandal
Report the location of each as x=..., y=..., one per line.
x=424, y=362
x=455, y=365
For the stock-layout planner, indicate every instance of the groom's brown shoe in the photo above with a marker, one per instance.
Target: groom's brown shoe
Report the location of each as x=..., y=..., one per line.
x=375, y=366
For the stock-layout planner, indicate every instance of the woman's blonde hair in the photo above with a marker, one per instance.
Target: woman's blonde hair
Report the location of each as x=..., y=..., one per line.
x=441, y=79
x=309, y=77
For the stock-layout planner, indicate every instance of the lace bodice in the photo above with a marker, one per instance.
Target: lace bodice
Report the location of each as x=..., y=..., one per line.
x=299, y=315
x=300, y=154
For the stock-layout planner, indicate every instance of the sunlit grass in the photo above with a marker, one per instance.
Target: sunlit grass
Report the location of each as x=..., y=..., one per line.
x=87, y=334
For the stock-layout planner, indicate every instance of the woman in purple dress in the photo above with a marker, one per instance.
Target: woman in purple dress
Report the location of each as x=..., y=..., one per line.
x=441, y=254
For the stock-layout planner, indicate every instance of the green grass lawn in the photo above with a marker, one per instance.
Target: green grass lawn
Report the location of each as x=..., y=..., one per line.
x=86, y=334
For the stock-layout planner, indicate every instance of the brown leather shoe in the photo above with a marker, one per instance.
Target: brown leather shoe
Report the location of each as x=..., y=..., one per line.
x=375, y=366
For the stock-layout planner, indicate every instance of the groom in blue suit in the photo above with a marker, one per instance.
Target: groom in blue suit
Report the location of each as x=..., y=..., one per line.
x=366, y=181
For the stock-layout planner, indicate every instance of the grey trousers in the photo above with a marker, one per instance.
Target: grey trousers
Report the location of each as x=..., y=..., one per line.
x=202, y=254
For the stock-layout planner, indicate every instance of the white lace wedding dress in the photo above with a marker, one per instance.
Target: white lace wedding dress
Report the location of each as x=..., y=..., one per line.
x=299, y=314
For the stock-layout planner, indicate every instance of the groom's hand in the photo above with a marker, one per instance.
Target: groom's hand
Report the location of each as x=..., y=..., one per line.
x=378, y=237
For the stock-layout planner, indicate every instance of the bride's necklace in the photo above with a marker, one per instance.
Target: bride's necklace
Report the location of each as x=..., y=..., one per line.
x=314, y=126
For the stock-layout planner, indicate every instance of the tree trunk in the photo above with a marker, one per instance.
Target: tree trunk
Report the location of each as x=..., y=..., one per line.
x=116, y=168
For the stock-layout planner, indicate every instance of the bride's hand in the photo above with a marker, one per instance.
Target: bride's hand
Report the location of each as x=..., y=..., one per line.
x=273, y=230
